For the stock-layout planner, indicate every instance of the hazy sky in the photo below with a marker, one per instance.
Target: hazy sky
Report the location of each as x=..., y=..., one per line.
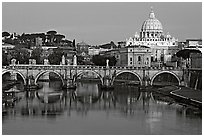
x=99, y=23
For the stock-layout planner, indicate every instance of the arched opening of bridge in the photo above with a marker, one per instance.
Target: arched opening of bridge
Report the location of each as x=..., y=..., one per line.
x=88, y=76
x=127, y=78
x=49, y=81
x=13, y=79
x=126, y=81
x=165, y=79
x=88, y=86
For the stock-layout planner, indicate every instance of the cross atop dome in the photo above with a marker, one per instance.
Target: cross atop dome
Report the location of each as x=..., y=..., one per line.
x=151, y=15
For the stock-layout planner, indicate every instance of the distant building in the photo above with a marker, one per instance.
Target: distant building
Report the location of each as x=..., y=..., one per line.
x=109, y=46
x=194, y=44
x=69, y=51
x=121, y=44
x=196, y=60
x=151, y=35
x=38, y=42
x=113, y=53
x=82, y=49
x=93, y=51
x=46, y=52
x=137, y=56
x=7, y=46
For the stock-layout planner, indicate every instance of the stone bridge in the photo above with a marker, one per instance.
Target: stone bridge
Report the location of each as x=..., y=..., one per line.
x=107, y=75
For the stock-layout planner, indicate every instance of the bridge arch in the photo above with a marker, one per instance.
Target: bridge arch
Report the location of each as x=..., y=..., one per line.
x=169, y=72
x=48, y=71
x=85, y=71
x=15, y=71
x=126, y=71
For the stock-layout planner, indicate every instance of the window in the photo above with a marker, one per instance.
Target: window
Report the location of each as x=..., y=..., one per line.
x=139, y=58
x=162, y=58
x=131, y=59
x=152, y=59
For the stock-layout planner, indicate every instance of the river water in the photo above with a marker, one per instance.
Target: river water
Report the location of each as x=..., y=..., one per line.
x=88, y=110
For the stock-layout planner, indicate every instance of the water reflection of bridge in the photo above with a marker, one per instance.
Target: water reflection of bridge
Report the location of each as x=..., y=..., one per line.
x=36, y=103
x=53, y=104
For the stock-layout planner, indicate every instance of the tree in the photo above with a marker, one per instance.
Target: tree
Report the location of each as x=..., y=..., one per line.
x=73, y=44
x=108, y=45
x=36, y=54
x=80, y=60
x=52, y=32
x=21, y=55
x=112, y=60
x=59, y=37
x=5, y=34
x=185, y=53
x=51, y=35
x=56, y=57
x=100, y=60
x=5, y=60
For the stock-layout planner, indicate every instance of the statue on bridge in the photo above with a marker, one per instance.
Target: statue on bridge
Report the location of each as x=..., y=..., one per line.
x=107, y=63
x=46, y=62
x=63, y=60
x=13, y=62
x=75, y=60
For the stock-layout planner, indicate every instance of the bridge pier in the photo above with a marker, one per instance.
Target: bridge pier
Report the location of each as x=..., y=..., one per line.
x=106, y=85
x=30, y=83
x=13, y=76
x=70, y=84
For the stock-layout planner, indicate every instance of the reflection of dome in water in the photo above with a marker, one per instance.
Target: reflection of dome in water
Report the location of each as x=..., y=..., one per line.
x=152, y=24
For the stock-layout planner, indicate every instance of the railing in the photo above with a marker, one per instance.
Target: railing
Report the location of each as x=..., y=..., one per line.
x=88, y=67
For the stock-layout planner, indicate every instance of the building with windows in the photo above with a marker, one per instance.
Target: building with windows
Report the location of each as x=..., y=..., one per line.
x=193, y=44
x=151, y=35
x=137, y=56
x=82, y=49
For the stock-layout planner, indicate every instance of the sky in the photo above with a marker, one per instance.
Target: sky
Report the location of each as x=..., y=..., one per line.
x=101, y=22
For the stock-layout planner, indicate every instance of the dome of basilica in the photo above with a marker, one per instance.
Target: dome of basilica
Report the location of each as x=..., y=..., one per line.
x=152, y=24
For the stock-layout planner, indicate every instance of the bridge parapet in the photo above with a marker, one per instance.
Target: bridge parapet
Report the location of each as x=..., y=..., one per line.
x=62, y=67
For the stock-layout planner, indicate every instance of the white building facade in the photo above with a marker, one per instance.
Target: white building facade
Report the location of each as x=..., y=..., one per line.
x=151, y=35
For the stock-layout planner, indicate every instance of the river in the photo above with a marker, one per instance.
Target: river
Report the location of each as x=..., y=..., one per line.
x=90, y=111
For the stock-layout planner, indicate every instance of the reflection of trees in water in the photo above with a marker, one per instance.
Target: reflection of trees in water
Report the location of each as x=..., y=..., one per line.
x=126, y=89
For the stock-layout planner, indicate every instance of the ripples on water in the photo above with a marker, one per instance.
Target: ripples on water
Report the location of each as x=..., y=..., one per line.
x=88, y=110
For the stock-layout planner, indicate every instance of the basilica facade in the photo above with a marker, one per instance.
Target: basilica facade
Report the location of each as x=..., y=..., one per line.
x=162, y=46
